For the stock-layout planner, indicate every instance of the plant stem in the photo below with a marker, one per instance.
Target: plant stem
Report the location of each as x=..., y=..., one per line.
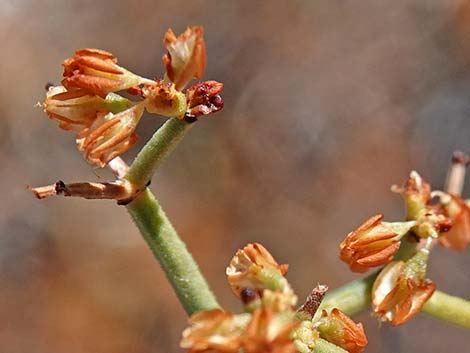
x=448, y=308
x=355, y=297
x=323, y=346
x=179, y=266
x=162, y=143
x=352, y=298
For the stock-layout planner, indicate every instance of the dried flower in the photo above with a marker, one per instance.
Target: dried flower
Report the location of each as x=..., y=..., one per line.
x=97, y=71
x=186, y=56
x=269, y=332
x=214, y=331
x=304, y=336
x=373, y=243
x=162, y=98
x=110, y=135
x=73, y=110
x=459, y=212
x=401, y=289
x=254, y=267
x=337, y=328
x=203, y=98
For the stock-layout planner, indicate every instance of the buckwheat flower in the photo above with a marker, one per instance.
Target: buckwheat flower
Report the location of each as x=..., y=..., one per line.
x=373, y=243
x=459, y=235
x=269, y=332
x=214, y=331
x=401, y=289
x=73, y=110
x=110, y=135
x=186, y=56
x=97, y=71
x=162, y=98
x=203, y=98
x=337, y=328
x=255, y=268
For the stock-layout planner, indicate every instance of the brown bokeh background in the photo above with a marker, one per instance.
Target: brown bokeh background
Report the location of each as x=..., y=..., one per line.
x=327, y=103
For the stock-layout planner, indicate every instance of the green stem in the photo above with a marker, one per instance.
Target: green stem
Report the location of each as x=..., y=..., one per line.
x=179, y=266
x=355, y=297
x=448, y=308
x=352, y=298
x=162, y=143
x=323, y=346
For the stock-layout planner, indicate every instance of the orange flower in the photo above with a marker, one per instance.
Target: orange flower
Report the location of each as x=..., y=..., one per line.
x=459, y=235
x=340, y=330
x=110, y=135
x=186, y=56
x=203, y=98
x=269, y=332
x=400, y=290
x=75, y=109
x=97, y=71
x=255, y=268
x=373, y=243
x=162, y=98
x=214, y=331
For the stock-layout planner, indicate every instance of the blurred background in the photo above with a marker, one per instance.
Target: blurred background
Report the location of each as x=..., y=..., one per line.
x=327, y=104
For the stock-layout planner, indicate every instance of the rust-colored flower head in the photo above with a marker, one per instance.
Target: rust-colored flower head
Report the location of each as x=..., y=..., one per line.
x=214, y=331
x=269, y=332
x=97, y=71
x=337, y=328
x=459, y=235
x=401, y=289
x=162, y=98
x=203, y=98
x=110, y=135
x=73, y=110
x=255, y=268
x=186, y=56
x=373, y=243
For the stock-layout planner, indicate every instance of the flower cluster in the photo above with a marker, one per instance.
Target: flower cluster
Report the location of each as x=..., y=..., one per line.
x=103, y=121
x=401, y=289
x=271, y=322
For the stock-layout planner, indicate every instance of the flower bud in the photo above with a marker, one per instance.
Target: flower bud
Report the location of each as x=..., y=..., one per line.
x=203, y=98
x=215, y=331
x=337, y=328
x=97, y=71
x=254, y=267
x=162, y=98
x=73, y=110
x=110, y=135
x=373, y=243
x=186, y=56
x=417, y=193
x=401, y=289
x=269, y=332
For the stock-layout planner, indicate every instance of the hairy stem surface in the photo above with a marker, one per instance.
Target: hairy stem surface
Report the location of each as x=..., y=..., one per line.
x=162, y=143
x=179, y=265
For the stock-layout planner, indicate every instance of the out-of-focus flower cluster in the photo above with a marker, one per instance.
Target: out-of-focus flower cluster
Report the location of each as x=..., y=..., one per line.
x=271, y=322
x=104, y=122
x=401, y=289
